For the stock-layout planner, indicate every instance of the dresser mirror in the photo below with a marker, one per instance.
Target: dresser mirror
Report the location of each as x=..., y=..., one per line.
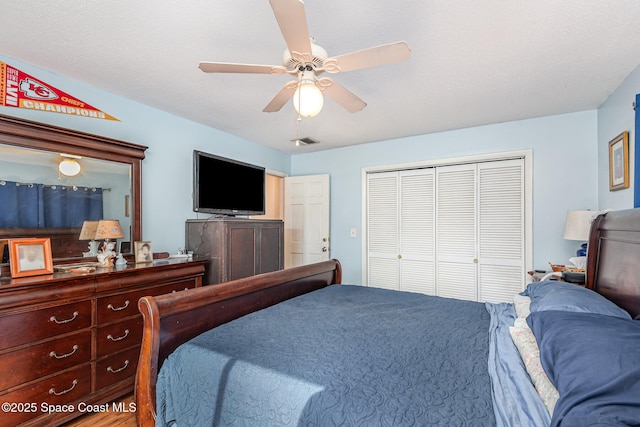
x=41, y=199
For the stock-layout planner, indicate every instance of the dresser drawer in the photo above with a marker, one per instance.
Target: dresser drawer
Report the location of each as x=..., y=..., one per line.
x=117, y=367
x=126, y=304
x=35, y=325
x=37, y=361
x=118, y=336
x=59, y=390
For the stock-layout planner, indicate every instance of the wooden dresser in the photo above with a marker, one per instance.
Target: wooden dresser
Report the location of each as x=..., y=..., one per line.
x=73, y=340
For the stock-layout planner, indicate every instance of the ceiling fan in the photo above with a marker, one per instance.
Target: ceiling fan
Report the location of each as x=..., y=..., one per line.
x=307, y=60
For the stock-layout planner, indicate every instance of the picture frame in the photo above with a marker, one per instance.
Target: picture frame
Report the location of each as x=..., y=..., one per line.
x=143, y=252
x=30, y=257
x=619, y=162
x=4, y=251
x=124, y=247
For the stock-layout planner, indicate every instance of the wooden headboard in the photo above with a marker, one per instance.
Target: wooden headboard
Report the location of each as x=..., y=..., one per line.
x=613, y=258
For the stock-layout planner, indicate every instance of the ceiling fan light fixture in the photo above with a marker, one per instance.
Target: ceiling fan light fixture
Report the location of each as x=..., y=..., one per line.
x=69, y=167
x=308, y=99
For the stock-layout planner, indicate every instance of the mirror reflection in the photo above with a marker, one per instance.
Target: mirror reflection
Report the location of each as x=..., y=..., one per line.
x=46, y=194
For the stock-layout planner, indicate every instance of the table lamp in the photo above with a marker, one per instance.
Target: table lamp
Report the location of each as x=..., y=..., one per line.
x=577, y=227
x=108, y=229
x=88, y=232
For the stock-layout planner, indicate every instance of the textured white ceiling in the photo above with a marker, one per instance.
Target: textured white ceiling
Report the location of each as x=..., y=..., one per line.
x=472, y=62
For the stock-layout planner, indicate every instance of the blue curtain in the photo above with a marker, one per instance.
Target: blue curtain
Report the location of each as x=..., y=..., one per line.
x=38, y=205
x=70, y=206
x=20, y=205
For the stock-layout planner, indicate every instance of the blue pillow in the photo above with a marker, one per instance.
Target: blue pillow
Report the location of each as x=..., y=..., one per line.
x=594, y=362
x=563, y=296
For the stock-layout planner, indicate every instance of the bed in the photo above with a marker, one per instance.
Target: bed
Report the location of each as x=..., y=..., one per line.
x=296, y=347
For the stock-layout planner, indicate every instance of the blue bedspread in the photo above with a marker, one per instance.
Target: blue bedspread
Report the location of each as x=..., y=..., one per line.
x=343, y=355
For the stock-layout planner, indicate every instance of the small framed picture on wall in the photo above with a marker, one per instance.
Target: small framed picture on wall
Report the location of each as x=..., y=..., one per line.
x=619, y=162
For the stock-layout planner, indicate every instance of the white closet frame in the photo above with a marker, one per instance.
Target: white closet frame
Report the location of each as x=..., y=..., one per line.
x=525, y=155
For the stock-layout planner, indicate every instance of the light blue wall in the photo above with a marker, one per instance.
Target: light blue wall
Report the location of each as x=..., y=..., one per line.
x=615, y=116
x=564, y=176
x=167, y=168
x=570, y=162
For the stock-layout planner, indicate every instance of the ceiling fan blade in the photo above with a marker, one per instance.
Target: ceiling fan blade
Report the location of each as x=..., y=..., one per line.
x=372, y=57
x=281, y=97
x=339, y=94
x=224, y=67
x=293, y=25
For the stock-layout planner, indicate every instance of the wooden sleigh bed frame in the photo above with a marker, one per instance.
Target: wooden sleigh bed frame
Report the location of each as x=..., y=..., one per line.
x=170, y=320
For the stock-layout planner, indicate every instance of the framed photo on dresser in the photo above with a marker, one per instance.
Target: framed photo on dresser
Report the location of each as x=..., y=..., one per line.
x=30, y=257
x=143, y=252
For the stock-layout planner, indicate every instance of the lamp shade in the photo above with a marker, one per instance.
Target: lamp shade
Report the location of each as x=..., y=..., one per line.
x=578, y=225
x=109, y=229
x=88, y=231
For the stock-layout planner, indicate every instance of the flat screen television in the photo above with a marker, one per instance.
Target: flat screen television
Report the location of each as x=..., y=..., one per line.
x=227, y=187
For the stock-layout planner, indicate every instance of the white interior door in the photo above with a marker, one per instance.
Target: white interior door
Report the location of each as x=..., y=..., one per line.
x=501, y=237
x=456, y=227
x=400, y=227
x=383, y=243
x=306, y=219
x=416, y=231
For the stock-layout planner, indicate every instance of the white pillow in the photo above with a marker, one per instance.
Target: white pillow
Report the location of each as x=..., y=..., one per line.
x=521, y=322
x=530, y=353
x=521, y=304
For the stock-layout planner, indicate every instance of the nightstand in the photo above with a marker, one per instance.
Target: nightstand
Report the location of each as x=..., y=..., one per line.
x=538, y=275
x=564, y=276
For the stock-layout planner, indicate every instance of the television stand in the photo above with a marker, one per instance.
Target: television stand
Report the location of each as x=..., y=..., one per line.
x=236, y=247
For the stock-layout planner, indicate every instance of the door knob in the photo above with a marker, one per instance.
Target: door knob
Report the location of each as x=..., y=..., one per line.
x=324, y=249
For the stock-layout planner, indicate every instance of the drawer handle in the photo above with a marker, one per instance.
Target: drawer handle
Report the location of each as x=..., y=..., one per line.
x=115, y=371
x=62, y=356
x=111, y=307
x=53, y=390
x=126, y=333
x=178, y=290
x=60, y=322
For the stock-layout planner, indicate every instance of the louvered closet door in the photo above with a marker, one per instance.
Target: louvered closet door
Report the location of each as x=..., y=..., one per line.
x=417, y=223
x=382, y=230
x=401, y=230
x=501, y=230
x=453, y=231
x=456, y=227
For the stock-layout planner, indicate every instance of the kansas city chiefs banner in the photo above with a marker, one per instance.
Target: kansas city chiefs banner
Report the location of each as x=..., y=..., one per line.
x=20, y=90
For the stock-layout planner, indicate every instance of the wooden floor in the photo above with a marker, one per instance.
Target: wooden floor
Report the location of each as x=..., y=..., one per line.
x=107, y=419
